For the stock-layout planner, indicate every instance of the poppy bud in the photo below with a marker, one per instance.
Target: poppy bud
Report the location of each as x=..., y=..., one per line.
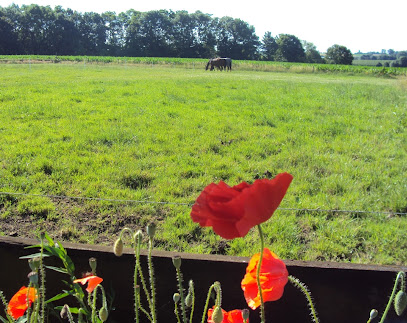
x=188, y=300
x=151, y=230
x=373, y=314
x=138, y=237
x=34, y=263
x=33, y=276
x=176, y=261
x=400, y=302
x=217, y=315
x=118, y=247
x=245, y=314
x=176, y=297
x=103, y=313
x=93, y=263
x=64, y=312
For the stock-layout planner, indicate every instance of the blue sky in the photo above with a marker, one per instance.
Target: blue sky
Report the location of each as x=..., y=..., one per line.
x=357, y=24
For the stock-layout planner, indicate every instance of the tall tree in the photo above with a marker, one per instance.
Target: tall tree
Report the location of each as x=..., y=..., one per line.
x=92, y=30
x=268, y=47
x=114, y=33
x=289, y=49
x=236, y=38
x=311, y=53
x=338, y=54
x=8, y=37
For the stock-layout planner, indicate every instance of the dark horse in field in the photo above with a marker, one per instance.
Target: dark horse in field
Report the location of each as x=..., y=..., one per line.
x=220, y=63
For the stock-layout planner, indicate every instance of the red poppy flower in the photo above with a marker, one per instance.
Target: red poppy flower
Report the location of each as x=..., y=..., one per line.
x=233, y=211
x=20, y=302
x=92, y=281
x=273, y=277
x=234, y=316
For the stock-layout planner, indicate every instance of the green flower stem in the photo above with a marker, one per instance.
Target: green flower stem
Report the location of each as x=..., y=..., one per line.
x=301, y=286
x=42, y=289
x=143, y=283
x=400, y=278
x=262, y=313
x=208, y=297
x=152, y=284
x=176, y=312
x=181, y=294
x=192, y=291
x=136, y=289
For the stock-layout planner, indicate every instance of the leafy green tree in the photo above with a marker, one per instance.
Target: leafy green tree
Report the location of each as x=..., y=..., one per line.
x=338, y=54
x=204, y=32
x=401, y=54
x=154, y=33
x=289, y=49
x=311, y=53
x=236, y=39
x=268, y=47
x=8, y=37
x=115, y=34
x=92, y=34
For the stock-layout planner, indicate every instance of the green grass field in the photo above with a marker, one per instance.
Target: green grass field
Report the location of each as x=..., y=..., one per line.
x=147, y=134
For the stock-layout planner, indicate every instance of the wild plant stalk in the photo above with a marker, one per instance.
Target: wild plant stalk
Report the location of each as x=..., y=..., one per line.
x=304, y=289
x=5, y=304
x=137, y=246
x=94, y=298
x=151, y=231
x=177, y=264
x=176, y=312
x=262, y=312
x=42, y=274
x=399, y=279
x=208, y=297
x=191, y=292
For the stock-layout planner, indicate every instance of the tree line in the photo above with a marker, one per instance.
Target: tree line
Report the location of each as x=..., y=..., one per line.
x=41, y=30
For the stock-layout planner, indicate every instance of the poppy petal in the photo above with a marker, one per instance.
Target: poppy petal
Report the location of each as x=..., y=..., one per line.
x=273, y=278
x=21, y=300
x=233, y=211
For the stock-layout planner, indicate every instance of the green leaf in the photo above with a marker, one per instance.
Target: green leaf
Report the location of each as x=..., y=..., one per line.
x=58, y=269
x=35, y=255
x=57, y=297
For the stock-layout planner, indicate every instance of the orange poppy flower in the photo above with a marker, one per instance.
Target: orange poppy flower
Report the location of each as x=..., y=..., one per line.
x=234, y=316
x=92, y=281
x=233, y=211
x=273, y=277
x=20, y=302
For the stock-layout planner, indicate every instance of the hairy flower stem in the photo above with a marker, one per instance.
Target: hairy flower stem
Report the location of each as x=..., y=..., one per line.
x=135, y=286
x=399, y=279
x=262, y=313
x=192, y=291
x=94, y=298
x=301, y=286
x=208, y=297
x=152, y=284
x=181, y=294
x=42, y=290
x=176, y=312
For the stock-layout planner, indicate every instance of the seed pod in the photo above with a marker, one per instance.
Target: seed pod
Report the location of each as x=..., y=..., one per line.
x=151, y=230
x=176, y=261
x=93, y=264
